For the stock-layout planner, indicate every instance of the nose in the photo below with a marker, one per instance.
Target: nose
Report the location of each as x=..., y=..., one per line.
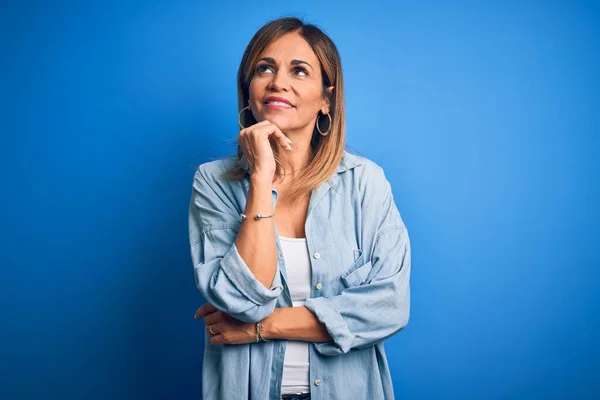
x=280, y=81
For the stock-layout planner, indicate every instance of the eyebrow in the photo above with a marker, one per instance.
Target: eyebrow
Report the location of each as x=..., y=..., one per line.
x=271, y=60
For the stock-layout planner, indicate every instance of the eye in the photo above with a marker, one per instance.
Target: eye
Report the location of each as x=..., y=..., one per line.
x=263, y=68
x=300, y=71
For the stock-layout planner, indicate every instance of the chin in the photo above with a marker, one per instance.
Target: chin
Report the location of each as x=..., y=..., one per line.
x=282, y=122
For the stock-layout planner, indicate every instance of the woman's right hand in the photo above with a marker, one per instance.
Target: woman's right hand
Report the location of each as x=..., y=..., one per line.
x=256, y=145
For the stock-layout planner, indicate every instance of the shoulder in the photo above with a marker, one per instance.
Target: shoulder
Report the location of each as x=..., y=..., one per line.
x=365, y=172
x=360, y=163
x=217, y=167
x=212, y=171
x=210, y=180
x=213, y=193
x=372, y=190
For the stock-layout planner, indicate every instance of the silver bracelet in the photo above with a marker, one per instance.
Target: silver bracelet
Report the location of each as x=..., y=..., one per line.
x=257, y=216
x=259, y=337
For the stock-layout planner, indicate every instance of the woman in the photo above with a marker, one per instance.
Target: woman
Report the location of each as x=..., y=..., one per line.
x=297, y=245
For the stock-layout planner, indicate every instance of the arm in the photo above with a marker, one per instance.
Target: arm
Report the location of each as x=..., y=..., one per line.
x=360, y=316
x=256, y=239
x=246, y=291
x=376, y=302
x=294, y=323
x=365, y=314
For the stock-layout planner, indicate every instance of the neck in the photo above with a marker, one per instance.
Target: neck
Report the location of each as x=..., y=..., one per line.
x=301, y=155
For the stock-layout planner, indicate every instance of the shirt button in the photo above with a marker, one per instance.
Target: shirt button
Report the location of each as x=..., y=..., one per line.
x=317, y=382
x=319, y=286
x=316, y=255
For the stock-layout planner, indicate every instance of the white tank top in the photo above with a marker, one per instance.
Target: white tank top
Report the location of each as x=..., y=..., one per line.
x=296, y=359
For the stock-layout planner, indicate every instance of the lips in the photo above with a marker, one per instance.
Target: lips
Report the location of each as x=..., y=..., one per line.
x=278, y=102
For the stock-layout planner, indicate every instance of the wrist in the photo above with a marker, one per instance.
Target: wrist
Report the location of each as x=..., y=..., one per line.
x=270, y=330
x=260, y=180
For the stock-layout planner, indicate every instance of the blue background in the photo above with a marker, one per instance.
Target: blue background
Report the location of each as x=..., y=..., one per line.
x=485, y=118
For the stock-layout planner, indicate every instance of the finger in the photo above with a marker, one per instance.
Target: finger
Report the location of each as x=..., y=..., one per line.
x=244, y=141
x=249, y=129
x=200, y=311
x=274, y=130
x=214, y=318
x=261, y=123
x=204, y=309
x=209, y=328
x=283, y=140
x=225, y=337
x=217, y=339
x=217, y=328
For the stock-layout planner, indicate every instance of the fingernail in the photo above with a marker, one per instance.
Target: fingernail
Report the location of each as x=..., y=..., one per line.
x=289, y=147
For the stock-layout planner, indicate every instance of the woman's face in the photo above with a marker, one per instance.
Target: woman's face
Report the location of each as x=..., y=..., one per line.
x=287, y=87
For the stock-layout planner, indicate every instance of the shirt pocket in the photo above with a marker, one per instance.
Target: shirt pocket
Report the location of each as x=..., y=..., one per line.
x=357, y=274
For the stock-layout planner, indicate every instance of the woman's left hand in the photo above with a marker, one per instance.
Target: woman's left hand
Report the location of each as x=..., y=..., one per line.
x=223, y=328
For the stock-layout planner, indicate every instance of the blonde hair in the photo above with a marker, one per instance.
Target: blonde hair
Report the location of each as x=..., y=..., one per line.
x=327, y=150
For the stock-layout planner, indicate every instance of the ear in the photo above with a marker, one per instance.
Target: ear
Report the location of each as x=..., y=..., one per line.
x=325, y=108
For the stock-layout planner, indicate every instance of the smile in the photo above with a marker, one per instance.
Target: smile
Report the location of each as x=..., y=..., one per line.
x=278, y=105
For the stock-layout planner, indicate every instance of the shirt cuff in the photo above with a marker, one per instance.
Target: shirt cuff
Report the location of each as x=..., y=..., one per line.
x=240, y=275
x=337, y=327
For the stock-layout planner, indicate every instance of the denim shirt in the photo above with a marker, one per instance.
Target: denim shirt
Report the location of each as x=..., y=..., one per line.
x=360, y=261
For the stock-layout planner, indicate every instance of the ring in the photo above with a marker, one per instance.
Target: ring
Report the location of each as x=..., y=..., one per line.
x=210, y=330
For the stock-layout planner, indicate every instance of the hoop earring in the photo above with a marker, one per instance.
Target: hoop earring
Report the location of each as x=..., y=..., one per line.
x=328, y=127
x=240, y=117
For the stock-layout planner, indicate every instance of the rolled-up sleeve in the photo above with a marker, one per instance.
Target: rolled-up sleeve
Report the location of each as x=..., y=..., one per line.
x=363, y=315
x=376, y=301
x=221, y=274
